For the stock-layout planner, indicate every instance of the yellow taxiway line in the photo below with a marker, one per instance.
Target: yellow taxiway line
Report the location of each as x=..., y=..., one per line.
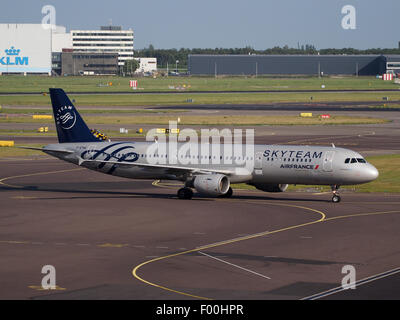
x=322, y=218
x=33, y=174
x=225, y=242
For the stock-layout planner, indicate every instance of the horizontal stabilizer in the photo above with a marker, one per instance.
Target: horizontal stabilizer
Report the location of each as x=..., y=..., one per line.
x=46, y=149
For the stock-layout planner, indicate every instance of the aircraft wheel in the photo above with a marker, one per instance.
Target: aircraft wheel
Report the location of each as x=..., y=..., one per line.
x=228, y=194
x=185, y=193
x=336, y=198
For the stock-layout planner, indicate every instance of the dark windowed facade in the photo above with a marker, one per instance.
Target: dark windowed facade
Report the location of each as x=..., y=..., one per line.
x=89, y=63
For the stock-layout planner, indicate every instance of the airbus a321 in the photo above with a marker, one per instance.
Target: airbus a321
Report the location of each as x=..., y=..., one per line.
x=274, y=166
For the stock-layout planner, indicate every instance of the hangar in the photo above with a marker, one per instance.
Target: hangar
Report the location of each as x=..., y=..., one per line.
x=25, y=48
x=33, y=49
x=287, y=64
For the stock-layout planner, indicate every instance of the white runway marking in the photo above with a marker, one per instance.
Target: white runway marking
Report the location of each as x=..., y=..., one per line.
x=357, y=283
x=235, y=265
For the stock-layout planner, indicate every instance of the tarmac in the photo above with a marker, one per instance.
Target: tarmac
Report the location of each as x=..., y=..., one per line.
x=114, y=238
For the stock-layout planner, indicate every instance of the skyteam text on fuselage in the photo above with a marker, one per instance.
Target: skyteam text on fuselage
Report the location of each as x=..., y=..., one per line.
x=273, y=167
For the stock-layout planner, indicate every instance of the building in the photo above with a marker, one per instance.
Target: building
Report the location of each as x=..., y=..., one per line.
x=83, y=63
x=393, y=63
x=287, y=64
x=147, y=65
x=31, y=48
x=25, y=48
x=109, y=39
x=56, y=63
x=60, y=39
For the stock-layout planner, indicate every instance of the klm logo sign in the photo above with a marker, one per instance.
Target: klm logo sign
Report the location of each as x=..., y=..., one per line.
x=12, y=58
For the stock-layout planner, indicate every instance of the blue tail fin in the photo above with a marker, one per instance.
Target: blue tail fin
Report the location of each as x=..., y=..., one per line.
x=70, y=126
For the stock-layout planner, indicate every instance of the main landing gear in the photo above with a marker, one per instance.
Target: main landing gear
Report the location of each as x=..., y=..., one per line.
x=228, y=194
x=335, y=198
x=185, y=193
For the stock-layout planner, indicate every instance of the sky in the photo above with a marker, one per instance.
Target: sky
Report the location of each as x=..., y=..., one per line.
x=260, y=24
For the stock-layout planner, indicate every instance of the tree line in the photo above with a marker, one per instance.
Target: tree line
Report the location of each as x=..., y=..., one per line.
x=171, y=56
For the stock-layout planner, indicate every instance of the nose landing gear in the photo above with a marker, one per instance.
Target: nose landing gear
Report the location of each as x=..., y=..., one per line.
x=335, y=198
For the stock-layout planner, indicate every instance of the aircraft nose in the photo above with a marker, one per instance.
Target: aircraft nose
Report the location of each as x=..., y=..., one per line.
x=371, y=173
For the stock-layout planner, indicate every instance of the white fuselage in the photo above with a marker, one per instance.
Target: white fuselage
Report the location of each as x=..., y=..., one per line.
x=280, y=164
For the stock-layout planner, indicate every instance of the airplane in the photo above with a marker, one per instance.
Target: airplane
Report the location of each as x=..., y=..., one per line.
x=274, y=166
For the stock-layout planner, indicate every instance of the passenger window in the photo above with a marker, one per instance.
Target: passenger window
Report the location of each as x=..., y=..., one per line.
x=347, y=160
x=353, y=160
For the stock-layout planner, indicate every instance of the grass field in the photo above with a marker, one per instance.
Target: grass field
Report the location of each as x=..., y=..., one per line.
x=192, y=86
x=228, y=120
x=31, y=111
x=387, y=165
x=119, y=84
x=34, y=133
x=198, y=99
x=12, y=152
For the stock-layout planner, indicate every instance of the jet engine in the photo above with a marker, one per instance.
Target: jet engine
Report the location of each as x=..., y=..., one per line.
x=212, y=184
x=271, y=187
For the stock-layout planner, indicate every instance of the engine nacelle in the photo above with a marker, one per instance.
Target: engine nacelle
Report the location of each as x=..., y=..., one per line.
x=212, y=184
x=271, y=187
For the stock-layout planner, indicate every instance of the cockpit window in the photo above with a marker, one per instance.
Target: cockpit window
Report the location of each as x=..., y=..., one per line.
x=355, y=160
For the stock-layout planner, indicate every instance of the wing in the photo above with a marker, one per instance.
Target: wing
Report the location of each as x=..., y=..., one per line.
x=169, y=168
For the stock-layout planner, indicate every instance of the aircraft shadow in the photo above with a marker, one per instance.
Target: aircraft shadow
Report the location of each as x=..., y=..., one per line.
x=82, y=193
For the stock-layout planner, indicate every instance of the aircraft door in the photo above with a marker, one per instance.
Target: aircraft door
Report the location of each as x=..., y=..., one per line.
x=328, y=161
x=258, y=163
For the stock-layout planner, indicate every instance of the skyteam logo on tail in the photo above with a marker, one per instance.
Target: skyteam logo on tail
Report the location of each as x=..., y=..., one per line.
x=66, y=117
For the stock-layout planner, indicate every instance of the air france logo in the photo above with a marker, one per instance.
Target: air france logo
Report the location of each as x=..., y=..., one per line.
x=13, y=59
x=66, y=117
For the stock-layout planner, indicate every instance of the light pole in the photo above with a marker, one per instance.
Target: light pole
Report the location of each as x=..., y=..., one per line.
x=176, y=65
